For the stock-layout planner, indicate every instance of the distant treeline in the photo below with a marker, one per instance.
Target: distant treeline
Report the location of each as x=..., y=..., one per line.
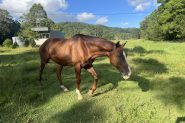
x=165, y=23
x=72, y=28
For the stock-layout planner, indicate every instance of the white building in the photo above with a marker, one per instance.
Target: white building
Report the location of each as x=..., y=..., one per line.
x=18, y=41
x=44, y=34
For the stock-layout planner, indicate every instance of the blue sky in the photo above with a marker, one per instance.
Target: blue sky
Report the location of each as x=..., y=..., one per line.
x=113, y=13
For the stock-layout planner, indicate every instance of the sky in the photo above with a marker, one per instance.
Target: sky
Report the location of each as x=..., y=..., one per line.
x=112, y=13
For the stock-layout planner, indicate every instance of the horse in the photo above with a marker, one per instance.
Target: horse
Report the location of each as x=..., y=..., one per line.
x=80, y=51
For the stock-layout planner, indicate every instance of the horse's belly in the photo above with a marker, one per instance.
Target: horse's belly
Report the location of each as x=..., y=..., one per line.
x=65, y=60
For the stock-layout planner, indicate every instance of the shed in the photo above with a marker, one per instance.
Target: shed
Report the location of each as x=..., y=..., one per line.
x=45, y=33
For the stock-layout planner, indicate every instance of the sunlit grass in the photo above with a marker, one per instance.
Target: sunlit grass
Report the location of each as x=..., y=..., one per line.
x=155, y=93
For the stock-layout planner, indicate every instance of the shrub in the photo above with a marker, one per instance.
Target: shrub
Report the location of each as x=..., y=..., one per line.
x=32, y=43
x=7, y=43
x=15, y=45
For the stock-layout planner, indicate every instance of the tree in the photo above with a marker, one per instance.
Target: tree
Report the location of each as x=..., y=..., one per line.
x=150, y=28
x=167, y=22
x=7, y=43
x=36, y=17
x=9, y=27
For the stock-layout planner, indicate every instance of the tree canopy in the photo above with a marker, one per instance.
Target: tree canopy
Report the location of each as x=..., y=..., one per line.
x=166, y=23
x=36, y=17
x=9, y=27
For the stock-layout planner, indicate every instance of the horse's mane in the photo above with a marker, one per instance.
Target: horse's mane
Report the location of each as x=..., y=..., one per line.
x=90, y=38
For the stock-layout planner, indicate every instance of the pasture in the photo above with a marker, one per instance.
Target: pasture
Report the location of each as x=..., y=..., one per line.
x=155, y=93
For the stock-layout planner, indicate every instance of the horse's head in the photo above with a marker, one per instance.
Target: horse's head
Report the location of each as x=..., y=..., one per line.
x=118, y=58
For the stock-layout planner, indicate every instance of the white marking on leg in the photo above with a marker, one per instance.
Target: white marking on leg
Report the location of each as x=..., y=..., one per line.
x=90, y=93
x=64, y=88
x=79, y=94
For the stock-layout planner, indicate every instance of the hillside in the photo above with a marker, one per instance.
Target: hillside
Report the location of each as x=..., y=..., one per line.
x=72, y=28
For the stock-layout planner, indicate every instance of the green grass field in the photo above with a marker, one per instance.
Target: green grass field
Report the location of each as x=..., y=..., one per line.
x=155, y=93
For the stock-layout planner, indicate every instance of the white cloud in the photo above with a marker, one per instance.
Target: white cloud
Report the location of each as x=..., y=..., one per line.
x=124, y=23
x=18, y=7
x=141, y=5
x=102, y=21
x=82, y=17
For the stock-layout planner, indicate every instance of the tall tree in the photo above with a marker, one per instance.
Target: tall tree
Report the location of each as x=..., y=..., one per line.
x=8, y=26
x=36, y=17
x=167, y=22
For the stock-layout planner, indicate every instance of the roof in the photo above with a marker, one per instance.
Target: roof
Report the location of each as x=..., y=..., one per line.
x=40, y=29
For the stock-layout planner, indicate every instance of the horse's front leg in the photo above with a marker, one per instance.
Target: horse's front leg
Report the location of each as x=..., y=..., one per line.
x=78, y=80
x=94, y=75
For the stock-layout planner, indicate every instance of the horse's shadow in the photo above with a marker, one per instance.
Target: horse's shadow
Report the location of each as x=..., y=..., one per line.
x=109, y=77
x=81, y=112
x=180, y=120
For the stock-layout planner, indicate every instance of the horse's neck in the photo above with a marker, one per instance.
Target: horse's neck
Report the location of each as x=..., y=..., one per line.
x=103, y=48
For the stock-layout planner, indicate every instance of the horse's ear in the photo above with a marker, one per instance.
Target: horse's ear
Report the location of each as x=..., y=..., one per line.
x=118, y=44
x=124, y=44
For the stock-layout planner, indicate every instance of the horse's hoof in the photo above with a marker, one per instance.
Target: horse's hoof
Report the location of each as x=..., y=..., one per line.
x=66, y=90
x=90, y=93
x=80, y=97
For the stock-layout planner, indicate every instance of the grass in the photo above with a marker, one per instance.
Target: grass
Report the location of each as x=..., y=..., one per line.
x=155, y=93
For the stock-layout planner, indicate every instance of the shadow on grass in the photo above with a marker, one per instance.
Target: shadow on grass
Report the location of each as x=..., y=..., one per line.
x=19, y=58
x=180, y=120
x=149, y=66
x=142, y=51
x=81, y=112
x=143, y=83
x=170, y=90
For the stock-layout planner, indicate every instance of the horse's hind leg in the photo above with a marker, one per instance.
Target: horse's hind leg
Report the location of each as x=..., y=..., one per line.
x=59, y=70
x=42, y=66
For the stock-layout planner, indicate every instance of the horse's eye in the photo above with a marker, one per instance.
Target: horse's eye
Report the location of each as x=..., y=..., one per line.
x=120, y=55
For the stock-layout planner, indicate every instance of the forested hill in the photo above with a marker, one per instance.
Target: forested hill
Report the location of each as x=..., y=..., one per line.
x=72, y=28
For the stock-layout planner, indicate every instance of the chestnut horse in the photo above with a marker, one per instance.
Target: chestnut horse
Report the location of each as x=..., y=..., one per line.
x=80, y=51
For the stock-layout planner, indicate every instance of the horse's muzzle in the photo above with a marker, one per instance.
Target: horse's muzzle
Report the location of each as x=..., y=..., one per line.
x=127, y=76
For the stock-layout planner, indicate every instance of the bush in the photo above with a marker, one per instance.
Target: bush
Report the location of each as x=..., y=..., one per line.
x=32, y=43
x=15, y=45
x=7, y=43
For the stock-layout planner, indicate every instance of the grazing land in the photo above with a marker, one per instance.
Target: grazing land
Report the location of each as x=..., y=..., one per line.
x=155, y=93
